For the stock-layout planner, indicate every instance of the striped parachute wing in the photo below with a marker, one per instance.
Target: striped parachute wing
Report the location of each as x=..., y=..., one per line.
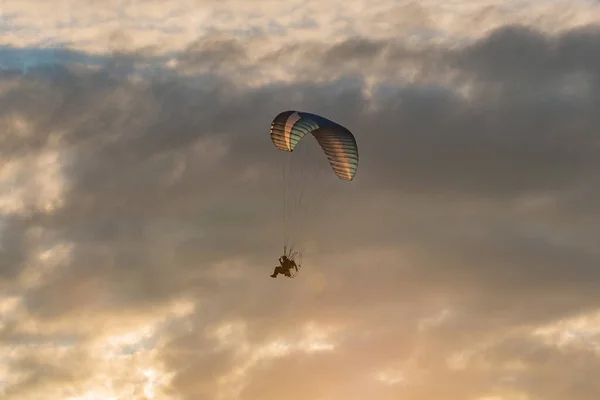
x=338, y=143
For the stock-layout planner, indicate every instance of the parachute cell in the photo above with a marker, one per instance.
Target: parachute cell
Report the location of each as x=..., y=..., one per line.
x=337, y=142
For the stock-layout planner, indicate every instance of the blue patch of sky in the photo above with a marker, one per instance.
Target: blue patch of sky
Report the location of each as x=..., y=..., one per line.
x=12, y=58
x=145, y=343
x=304, y=23
x=275, y=28
x=30, y=59
x=253, y=31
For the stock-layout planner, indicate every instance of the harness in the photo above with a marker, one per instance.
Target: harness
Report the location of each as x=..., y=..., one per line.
x=295, y=256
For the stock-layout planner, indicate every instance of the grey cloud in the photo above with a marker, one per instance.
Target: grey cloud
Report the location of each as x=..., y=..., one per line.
x=41, y=375
x=13, y=249
x=516, y=54
x=206, y=363
x=155, y=200
x=213, y=51
x=543, y=373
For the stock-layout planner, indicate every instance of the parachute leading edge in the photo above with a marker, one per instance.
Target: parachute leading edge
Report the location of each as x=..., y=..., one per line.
x=337, y=142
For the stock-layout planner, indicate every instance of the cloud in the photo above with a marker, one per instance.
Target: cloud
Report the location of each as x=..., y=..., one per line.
x=143, y=215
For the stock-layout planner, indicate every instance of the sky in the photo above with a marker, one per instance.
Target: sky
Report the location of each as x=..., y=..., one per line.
x=141, y=200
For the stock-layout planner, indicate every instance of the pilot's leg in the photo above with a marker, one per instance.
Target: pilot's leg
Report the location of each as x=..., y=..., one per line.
x=278, y=270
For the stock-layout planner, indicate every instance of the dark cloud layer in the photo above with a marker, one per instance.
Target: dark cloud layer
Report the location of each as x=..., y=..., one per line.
x=485, y=205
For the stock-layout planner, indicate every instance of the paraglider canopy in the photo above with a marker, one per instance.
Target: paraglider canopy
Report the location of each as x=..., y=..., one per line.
x=338, y=143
